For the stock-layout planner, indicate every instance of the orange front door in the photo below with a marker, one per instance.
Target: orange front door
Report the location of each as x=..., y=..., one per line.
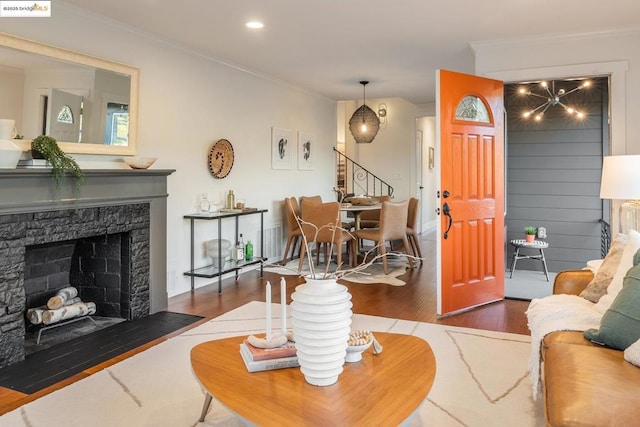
x=471, y=226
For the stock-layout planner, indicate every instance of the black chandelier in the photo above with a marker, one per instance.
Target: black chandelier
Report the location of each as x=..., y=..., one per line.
x=552, y=99
x=364, y=123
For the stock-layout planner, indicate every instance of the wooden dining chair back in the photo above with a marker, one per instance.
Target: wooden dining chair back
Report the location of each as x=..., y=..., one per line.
x=304, y=200
x=291, y=211
x=412, y=227
x=318, y=226
x=371, y=219
x=393, y=226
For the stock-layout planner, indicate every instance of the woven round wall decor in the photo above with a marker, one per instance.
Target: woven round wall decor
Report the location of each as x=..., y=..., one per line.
x=221, y=158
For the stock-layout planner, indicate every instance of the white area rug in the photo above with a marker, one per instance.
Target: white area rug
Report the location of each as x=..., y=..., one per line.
x=481, y=380
x=372, y=274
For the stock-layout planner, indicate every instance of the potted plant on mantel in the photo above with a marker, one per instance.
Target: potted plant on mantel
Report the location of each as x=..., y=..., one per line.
x=61, y=163
x=530, y=234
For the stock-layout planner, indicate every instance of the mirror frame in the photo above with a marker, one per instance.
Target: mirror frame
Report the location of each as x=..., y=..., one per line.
x=38, y=48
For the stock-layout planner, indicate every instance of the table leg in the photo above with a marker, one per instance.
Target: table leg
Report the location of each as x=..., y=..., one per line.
x=544, y=264
x=515, y=259
x=356, y=220
x=356, y=227
x=205, y=407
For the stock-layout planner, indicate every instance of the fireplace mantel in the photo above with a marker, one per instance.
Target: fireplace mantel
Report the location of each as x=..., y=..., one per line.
x=33, y=190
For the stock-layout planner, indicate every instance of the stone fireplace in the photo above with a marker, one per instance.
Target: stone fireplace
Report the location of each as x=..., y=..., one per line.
x=83, y=248
x=99, y=243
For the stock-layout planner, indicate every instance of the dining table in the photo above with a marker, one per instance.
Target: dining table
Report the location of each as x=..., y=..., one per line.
x=357, y=210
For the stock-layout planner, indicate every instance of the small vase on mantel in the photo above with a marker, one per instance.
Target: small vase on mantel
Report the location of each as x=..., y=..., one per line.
x=9, y=152
x=321, y=312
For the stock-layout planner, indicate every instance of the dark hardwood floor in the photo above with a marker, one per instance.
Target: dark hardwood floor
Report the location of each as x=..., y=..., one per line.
x=414, y=301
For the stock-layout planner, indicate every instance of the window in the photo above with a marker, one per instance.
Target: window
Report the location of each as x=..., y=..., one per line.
x=472, y=109
x=65, y=115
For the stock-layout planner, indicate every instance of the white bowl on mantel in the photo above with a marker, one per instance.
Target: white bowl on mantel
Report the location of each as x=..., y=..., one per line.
x=139, y=162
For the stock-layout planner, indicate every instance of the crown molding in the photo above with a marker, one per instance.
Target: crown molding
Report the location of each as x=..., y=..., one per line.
x=623, y=32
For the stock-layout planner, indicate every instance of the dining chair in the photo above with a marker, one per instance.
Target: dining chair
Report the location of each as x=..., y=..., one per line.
x=371, y=219
x=412, y=227
x=291, y=211
x=321, y=218
x=393, y=226
x=312, y=200
x=309, y=199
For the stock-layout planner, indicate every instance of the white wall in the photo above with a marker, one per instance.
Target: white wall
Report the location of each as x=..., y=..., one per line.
x=187, y=102
x=392, y=155
x=11, y=82
x=429, y=201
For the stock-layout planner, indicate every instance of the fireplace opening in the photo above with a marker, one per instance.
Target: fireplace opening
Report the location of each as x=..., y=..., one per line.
x=98, y=267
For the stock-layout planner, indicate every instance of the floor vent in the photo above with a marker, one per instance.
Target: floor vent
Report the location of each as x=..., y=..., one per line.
x=272, y=248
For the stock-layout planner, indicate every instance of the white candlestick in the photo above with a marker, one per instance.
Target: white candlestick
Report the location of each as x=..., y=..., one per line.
x=268, y=291
x=283, y=304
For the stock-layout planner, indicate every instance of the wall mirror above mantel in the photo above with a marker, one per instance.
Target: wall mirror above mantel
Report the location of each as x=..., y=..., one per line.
x=89, y=104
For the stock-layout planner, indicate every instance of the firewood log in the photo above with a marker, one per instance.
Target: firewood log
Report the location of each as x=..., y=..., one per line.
x=61, y=297
x=34, y=314
x=72, y=301
x=68, y=312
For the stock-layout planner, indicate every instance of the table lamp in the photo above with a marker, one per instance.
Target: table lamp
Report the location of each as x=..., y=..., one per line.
x=621, y=181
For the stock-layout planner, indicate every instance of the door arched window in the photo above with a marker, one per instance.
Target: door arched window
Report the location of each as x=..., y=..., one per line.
x=472, y=109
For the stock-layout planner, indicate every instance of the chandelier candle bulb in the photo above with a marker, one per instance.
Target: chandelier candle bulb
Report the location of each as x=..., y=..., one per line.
x=283, y=304
x=268, y=292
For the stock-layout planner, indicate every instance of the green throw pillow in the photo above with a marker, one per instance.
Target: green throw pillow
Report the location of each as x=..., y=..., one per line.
x=620, y=325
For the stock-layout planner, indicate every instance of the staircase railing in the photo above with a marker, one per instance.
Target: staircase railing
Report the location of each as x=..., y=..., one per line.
x=354, y=179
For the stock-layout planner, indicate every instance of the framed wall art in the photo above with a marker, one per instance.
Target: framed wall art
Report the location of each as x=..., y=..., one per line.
x=282, y=148
x=306, y=151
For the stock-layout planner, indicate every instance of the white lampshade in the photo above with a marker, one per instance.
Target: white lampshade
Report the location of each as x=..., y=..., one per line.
x=621, y=181
x=620, y=178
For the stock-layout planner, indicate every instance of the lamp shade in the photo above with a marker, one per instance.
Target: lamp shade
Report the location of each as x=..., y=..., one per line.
x=364, y=124
x=620, y=178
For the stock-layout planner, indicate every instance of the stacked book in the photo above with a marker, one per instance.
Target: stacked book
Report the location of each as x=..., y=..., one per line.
x=265, y=359
x=34, y=163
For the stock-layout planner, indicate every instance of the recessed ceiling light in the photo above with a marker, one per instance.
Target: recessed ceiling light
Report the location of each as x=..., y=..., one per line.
x=255, y=24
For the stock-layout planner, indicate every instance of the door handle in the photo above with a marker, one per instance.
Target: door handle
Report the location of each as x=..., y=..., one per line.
x=446, y=210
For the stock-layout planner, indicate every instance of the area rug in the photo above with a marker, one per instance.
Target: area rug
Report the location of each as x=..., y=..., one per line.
x=481, y=380
x=372, y=274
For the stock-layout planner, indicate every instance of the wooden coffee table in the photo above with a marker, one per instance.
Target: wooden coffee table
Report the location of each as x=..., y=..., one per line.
x=380, y=389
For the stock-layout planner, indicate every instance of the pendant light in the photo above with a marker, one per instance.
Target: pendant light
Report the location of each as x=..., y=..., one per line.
x=364, y=123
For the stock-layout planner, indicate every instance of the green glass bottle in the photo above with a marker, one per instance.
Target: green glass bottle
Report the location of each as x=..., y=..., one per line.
x=248, y=251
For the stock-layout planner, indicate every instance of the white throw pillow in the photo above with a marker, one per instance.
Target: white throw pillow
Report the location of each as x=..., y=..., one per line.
x=626, y=262
x=632, y=353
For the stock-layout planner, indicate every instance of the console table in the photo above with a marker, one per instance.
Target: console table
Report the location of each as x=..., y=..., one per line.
x=384, y=389
x=211, y=271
